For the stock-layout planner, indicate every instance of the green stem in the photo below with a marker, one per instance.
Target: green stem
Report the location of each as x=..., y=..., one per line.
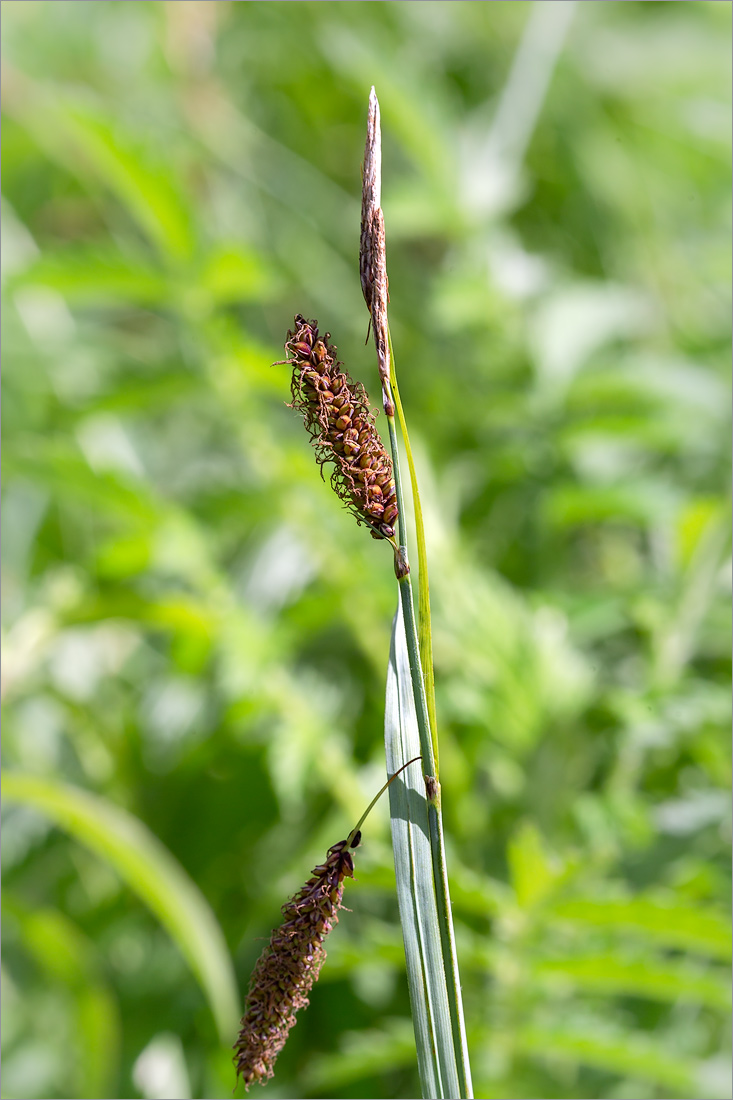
x=450, y=957
x=357, y=828
x=418, y=686
x=425, y=637
x=437, y=846
x=401, y=522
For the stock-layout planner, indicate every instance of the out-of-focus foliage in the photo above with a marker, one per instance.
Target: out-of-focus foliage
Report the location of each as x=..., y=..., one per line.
x=196, y=634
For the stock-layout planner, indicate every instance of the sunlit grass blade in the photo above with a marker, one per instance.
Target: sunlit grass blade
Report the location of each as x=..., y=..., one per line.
x=415, y=887
x=150, y=870
x=425, y=630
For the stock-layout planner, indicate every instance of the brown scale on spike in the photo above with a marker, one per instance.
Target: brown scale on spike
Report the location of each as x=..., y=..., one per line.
x=342, y=428
x=290, y=964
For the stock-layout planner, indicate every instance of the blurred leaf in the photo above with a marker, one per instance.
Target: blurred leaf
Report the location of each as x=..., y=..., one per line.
x=160, y=1071
x=91, y=274
x=644, y=502
x=69, y=957
x=145, y=182
x=59, y=466
x=616, y=1053
x=697, y=929
x=533, y=872
x=391, y=1049
x=235, y=274
x=414, y=875
x=573, y=322
x=99, y=1033
x=151, y=872
x=643, y=977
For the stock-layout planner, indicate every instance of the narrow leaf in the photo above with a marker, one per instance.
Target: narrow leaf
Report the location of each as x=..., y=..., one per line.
x=425, y=630
x=415, y=887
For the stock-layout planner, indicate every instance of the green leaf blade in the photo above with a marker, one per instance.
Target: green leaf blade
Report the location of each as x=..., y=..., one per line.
x=425, y=629
x=415, y=887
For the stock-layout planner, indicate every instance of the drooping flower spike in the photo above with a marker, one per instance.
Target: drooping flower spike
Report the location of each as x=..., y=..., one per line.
x=341, y=424
x=291, y=962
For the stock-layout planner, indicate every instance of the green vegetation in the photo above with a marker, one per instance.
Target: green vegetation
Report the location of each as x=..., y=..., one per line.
x=196, y=634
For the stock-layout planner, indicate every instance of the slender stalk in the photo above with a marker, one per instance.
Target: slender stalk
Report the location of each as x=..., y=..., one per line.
x=435, y=822
x=357, y=828
x=427, y=743
x=425, y=636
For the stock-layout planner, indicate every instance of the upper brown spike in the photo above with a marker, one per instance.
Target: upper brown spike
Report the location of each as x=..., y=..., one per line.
x=342, y=427
x=373, y=247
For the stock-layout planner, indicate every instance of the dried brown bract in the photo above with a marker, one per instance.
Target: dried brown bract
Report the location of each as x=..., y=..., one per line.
x=371, y=198
x=372, y=246
x=290, y=964
x=342, y=428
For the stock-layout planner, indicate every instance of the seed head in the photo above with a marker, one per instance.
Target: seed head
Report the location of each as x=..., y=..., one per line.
x=342, y=428
x=290, y=964
x=372, y=247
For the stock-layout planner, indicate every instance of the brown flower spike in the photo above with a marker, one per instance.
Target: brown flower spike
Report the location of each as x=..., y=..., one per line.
x=290, y=964
x=342, y=428
x=372, y=247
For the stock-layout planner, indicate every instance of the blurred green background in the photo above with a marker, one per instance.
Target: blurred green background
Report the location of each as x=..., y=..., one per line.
x=196, y=633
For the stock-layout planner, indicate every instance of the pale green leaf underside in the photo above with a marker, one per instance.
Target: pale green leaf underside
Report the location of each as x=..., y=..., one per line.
x=414, y=874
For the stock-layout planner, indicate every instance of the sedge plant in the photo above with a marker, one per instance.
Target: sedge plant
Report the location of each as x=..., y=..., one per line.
x=342, y=427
